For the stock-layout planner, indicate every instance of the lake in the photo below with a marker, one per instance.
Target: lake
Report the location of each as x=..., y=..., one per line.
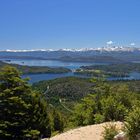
x=39, y=77
x=70, y=65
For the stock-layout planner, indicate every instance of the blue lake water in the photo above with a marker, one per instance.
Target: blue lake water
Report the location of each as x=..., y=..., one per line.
x=132, y=76
x=40, y=77
x=70, y=65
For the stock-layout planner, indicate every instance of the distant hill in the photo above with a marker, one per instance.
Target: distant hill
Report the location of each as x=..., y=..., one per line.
x=94, y=59
x=36, y=69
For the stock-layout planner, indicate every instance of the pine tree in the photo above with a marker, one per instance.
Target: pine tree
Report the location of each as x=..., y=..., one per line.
x=23, y=112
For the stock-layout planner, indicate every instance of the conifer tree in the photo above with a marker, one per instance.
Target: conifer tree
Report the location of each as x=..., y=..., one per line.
x=23, y=112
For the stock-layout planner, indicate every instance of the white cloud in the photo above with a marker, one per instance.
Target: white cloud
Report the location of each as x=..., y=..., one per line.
x=109, y=42
x=132, y=44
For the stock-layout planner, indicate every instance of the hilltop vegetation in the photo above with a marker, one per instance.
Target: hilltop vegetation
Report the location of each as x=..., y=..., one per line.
x=69, y=89
x=49, y=107
x=24, y=113
x=72, y=89
x=105, y=101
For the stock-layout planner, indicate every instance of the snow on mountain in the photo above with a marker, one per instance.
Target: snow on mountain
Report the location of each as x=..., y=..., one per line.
x=112, y=48
x=102, y=49
x=119, y=48
x=33, y=50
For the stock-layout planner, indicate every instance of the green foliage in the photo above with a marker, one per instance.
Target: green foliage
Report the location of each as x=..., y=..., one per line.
x=57, y=121
x=107, y=103
x=113, y=70
x=69, y=89
x=84, y=111
x=109, y=100
x=109, y=132
x=133, y=123
x=99, y=118
x=23, y=112
x=31, y=134
x=112, y=109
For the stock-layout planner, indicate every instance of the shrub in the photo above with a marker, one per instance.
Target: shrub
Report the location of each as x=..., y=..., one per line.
x=112, y=109
x=110, y=131
x=98, y=118
x=133, y=124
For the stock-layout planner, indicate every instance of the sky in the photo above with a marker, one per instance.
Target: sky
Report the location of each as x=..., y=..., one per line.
x=54, y=24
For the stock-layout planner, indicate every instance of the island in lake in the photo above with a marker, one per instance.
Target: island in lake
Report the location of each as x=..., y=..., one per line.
x=111, y=70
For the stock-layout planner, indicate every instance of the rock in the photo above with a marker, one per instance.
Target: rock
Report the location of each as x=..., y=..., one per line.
x=121, y=136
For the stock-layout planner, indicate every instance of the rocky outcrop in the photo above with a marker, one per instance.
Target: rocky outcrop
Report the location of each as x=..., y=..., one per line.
x=92, y=132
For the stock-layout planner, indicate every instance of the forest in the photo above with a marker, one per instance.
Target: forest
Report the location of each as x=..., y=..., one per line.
x=110, y=70
x=51, y=107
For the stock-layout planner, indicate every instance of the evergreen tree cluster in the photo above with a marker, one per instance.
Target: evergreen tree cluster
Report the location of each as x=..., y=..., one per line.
x=23, y=112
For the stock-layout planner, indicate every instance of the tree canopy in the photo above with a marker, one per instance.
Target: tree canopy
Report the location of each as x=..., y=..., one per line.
x=23, y=112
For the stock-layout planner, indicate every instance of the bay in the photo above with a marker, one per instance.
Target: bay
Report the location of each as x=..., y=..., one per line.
x=70, y=65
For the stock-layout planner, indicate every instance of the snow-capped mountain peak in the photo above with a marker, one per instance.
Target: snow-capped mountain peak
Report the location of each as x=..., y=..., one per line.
x=102, y=49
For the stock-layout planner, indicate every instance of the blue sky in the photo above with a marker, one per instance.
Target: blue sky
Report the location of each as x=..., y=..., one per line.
x=32, y=24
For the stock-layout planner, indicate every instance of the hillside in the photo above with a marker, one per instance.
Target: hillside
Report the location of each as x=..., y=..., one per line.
x=72, y=88
x=91, y=132
x=36, y=69
x=65, y=93
x=69, y=89
x=75, y=88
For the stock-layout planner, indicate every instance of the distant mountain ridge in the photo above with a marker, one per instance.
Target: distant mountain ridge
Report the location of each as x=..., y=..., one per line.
x=107, y=48
x=115, y=53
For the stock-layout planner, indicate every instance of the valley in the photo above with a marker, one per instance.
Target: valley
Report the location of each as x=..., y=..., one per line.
x=70, y=70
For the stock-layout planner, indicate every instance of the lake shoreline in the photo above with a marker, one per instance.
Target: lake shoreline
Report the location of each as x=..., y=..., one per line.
x=40, y=76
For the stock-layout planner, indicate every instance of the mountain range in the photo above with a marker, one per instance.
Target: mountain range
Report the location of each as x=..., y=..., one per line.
x=113, y=53
x=101, y=49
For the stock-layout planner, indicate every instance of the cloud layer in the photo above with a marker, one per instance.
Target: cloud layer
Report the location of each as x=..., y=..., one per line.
x=133, y=44
x=109, y=42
